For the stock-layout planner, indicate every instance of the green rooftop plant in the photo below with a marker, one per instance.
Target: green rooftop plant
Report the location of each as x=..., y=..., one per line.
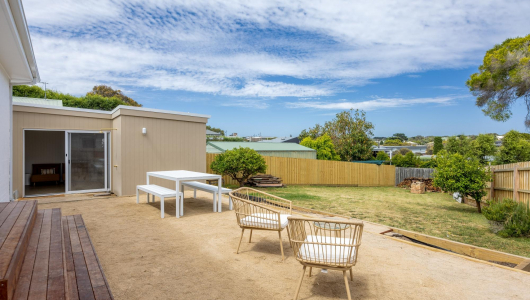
x=239, y=164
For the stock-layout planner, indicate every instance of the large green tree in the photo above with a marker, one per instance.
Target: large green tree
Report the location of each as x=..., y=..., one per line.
x=215, y=129
x=400, y=136
x=239, y=164
x=465, y=175
x=350, y=132
x=438, y=145
x=458, y=144
x=324, y=146
x=503, y=78
x=482, y=147
x=515, y=148
x=393, y=142
x=108, y=92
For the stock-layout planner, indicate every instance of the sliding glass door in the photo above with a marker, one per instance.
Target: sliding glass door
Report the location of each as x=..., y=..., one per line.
x=87, y=161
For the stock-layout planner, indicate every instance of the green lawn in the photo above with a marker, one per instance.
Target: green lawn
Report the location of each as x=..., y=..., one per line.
x=432, y=213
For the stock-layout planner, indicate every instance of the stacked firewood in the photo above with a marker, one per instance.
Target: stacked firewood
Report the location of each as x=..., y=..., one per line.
x=264, y=180
x=428, y=183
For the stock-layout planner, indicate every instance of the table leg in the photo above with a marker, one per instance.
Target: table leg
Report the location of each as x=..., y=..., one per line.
x=177, y=205
x=162, y=207
x=147, y=197
x=147, y=180
x=219, y=204
x=214, y=203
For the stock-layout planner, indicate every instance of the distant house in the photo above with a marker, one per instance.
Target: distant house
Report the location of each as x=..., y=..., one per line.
x=294, y=140
x=421, y=149
x=38, y=101
x=259, y=138
x=212, y=133
x=266, y=149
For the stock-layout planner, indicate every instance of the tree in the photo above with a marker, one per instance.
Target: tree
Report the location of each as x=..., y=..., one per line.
x=239, y=164
x=393, y=142
x=323, y=145
x=503, y=78
x=381, y=155
x=438, y=145
x=458, y=144
x=404, y=151
x=350, y=132
x=400, y=136
x=408, y=160
x=214, y=129
x=108, y=92
x=465, y=175
x=483, y=146
x=514, y=149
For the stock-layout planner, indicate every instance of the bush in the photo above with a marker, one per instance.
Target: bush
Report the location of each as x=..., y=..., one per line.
x=438, y=145
x=518, y=223
x=457, y=173
x=499, y=211
x=239, y=164
x=431, y=164
x=404, y=151
x=407, y=161
x=381, y=155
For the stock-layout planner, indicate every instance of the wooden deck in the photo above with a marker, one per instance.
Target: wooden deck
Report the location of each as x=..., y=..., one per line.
x=46, y=256
x=16, y=224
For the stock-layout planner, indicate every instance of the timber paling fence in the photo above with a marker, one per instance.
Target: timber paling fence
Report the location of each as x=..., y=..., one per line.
x=301, y=171
x=510, y=181
x=402, y=173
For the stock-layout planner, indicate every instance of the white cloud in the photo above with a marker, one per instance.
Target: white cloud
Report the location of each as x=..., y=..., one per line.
x=249, y=49
x=381, y=103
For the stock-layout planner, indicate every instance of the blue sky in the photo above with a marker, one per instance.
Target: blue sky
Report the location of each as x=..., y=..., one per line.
x=277, y=67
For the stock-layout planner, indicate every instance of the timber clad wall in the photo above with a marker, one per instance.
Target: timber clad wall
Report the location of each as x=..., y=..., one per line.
x=298, y=171
x=168, y=145
x=34, y=120
x=511, y=181
x=172, y=142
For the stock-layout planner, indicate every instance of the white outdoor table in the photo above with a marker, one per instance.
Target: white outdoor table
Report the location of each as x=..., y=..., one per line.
x=182, y=175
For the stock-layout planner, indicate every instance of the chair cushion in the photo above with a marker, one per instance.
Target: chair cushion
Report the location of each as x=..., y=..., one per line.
x=265, y=220
x=327, y=254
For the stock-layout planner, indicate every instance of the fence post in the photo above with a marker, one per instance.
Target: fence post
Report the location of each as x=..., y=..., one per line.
x=516, y=183
x=492, y=184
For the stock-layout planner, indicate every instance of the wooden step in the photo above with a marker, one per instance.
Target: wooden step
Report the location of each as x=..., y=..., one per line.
x=42, y=275
x=16, y=224
x=85, y=277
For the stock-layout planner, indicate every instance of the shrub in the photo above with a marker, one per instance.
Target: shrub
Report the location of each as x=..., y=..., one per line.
x=431, y=164
x=499, y=211
x=457, y=173
x=381, y=155
x=407, y=161
x=518, y=223
x=239, y=164
x=438, y=145
x=404, y=151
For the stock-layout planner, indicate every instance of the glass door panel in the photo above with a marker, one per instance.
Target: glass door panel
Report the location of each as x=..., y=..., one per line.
x=87, y=161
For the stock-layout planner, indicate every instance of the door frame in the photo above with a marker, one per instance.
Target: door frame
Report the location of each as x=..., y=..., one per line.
x=107, y=161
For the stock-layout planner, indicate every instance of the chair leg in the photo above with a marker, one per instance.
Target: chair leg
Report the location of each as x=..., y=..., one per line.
x=230, y=204
x=137, y=197
x=250, y=237
x=281, y=244
x=347, y=285
x=351, y=274
x=147, y=197
x=299, y=284
x=153, y=198
x=289, y=236
x=240, y=239
x=310, y=270
x=162, y=207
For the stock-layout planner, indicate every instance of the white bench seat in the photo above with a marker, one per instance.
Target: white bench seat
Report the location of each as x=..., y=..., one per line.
x=162, y=193
x=195, y=185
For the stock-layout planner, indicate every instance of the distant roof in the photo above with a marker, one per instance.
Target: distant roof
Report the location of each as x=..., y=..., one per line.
x=209, y=132
x=38, y=101
x=283, y=140
x=258, y=146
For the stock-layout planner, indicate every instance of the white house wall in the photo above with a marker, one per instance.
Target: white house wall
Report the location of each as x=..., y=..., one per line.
x=5, y=136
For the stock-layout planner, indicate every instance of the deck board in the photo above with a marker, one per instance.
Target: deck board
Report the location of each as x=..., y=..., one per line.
x=56, y=280
x=39, y=280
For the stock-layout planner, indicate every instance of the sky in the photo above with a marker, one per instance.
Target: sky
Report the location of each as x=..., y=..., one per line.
x=277, y=67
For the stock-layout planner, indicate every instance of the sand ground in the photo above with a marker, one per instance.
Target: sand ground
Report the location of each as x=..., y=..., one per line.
x=146, y=257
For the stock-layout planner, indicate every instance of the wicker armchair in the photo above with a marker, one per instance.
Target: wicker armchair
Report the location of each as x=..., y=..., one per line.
x=256, y=210
x=325, y=243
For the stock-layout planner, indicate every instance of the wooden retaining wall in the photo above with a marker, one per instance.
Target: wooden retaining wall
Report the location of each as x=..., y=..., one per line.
x=300, y=171
x=511, y=181
x=402, y=173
